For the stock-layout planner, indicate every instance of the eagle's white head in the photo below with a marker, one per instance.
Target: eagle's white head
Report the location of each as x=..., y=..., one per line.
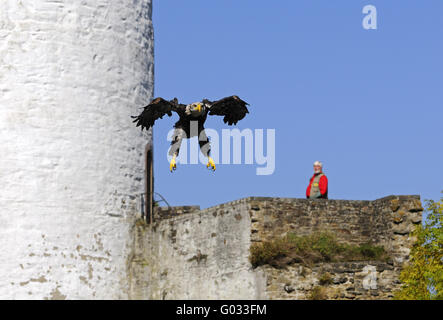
x=195, y=109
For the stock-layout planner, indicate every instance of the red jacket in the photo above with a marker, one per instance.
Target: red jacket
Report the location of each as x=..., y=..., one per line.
x=323, y=185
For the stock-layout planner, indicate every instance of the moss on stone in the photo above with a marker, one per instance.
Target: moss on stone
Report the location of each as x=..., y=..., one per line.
x=141, y=223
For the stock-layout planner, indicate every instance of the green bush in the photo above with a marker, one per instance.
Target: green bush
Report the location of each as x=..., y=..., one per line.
x=422, y=277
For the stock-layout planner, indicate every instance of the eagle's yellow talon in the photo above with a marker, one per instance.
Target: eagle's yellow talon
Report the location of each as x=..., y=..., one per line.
x=173, y=164
x=211, y=164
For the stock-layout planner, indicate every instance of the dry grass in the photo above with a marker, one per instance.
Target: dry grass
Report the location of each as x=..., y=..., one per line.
x=325, y=279
x=318, y=293
x=311, y=249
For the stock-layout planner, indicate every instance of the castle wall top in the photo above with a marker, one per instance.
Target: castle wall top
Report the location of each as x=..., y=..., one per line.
x=189, y=253
x=387, y=221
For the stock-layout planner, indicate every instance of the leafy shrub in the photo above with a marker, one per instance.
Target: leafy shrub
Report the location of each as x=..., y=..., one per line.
x=422, y=278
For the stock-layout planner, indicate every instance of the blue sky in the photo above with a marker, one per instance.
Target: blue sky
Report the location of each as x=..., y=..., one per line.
x=367, y=103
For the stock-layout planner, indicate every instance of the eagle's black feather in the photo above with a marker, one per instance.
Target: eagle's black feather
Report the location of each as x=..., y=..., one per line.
x=232, y=108
x=156, y=110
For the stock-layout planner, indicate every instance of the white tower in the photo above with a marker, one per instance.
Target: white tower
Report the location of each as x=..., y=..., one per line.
x=71, y=161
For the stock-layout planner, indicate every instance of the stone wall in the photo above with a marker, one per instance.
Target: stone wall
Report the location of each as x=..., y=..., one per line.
x=192, y=254
x=387, y=222
x=198, y=255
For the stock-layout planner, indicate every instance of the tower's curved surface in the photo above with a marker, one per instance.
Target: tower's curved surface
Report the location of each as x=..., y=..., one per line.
x=71, y=162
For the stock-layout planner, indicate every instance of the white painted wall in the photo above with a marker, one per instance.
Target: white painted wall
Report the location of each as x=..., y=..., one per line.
x=201, y=255
x=71, y=74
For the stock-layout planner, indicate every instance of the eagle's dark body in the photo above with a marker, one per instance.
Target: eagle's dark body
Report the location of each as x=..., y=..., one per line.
x=192, y=115
x=182, y=130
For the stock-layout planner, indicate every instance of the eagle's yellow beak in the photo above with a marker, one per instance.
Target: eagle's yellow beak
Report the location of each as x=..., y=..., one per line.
x=199, y=107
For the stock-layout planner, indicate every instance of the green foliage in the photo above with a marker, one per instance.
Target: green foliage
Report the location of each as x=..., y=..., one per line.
x=422, y=278
x=317, y=247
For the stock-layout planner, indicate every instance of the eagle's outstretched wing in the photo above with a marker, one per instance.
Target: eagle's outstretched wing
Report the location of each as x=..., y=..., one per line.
x=232, y=108
x=155, y=110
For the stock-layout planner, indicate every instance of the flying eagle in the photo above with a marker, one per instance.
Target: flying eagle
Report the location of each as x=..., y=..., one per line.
x=231, y=108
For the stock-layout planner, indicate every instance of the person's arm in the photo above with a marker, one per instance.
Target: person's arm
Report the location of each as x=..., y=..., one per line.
x=323, y=185
x=308, y=189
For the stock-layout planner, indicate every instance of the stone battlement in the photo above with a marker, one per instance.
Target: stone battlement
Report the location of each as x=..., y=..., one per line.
x=196, y=254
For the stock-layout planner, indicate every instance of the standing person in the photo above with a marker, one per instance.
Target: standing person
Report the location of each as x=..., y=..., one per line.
x=318, y=185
